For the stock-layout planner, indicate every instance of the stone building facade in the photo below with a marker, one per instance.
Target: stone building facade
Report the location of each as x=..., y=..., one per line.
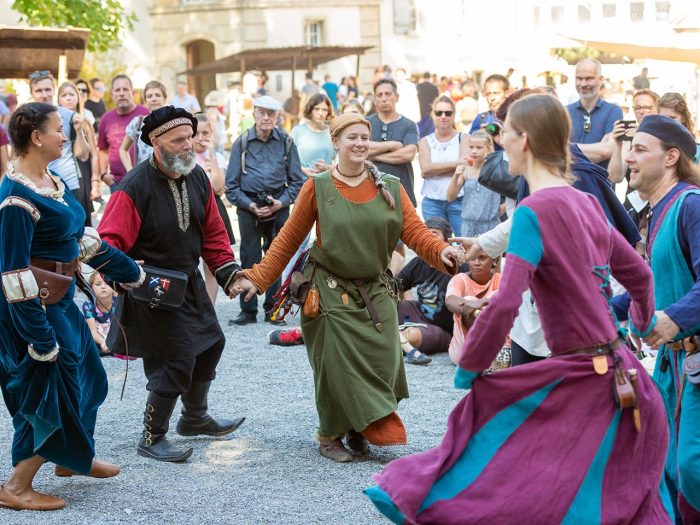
x=191, y=32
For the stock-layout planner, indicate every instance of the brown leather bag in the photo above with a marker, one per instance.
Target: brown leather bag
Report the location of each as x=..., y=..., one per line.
x=52, y=286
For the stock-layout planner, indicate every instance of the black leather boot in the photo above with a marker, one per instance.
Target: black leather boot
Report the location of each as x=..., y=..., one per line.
x=195, y=420
x=156, y=421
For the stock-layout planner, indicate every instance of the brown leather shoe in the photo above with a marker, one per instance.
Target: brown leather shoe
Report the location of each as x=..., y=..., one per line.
x=29, y=500
x=335, y=450
x=100, y=469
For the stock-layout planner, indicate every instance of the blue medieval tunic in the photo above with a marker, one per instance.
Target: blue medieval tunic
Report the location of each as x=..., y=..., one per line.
x=53, y=404
x=674, y=251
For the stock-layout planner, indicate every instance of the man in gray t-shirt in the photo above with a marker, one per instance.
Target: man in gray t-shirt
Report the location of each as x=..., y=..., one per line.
x=394, y=140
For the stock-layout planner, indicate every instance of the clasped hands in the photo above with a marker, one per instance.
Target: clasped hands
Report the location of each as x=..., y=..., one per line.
x=240, y=284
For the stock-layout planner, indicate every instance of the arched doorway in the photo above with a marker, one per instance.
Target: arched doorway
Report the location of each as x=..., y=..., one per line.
x=199, y=52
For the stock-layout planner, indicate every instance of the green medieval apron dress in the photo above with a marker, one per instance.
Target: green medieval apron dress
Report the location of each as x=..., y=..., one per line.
x=358, y=367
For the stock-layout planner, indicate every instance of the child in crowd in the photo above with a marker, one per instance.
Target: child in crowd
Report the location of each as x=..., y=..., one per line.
x=214, y=164
x=464, y=289
x=480, y=206
x=99, y=316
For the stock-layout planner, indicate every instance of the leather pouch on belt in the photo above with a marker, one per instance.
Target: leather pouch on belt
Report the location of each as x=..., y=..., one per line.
x=623, y=390
x=691, y=368
x=52, y=286
x=299, y=288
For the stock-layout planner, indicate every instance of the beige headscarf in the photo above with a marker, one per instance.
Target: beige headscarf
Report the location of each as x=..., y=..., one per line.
x=339, y=123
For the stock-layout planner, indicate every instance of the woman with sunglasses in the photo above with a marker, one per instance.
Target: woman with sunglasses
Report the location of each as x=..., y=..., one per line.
x=439, y=154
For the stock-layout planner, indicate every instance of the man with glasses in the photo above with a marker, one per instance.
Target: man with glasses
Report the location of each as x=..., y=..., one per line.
x=113, y=128
x=591, y=116
x=94, y=102
x=394, y=140
x=263, y=180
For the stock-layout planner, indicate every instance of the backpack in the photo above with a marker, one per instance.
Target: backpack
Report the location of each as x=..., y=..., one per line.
x=244, y=149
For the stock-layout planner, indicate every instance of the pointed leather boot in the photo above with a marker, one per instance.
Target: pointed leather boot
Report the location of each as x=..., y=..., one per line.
x=156, y=421
x=195, y=420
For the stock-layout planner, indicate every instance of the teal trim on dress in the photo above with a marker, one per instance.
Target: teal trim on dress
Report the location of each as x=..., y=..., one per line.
x=587, y=505
x=483, y=446
x=525, y=236
x=464, y=378
x=672, y=277
x=384, y=504
x=646, y=332
x=603, y=272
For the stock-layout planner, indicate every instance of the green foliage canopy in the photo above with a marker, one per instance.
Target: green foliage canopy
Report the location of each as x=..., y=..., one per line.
x=104, y=18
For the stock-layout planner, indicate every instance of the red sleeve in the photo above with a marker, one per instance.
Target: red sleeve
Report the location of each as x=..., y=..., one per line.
x=216, y=249
x=120, y=223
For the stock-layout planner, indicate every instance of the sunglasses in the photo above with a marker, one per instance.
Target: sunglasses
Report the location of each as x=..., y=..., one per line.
x=385, y=130
x=587, y=126
x=446, y=113
x=45, y=73
x=83, y=90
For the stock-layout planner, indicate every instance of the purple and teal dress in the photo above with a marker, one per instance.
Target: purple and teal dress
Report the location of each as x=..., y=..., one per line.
x=53, y=405
x=674, y=251
x=545, y=442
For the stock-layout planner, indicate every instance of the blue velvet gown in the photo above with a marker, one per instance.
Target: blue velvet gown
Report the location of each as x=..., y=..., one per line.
x=53, y=404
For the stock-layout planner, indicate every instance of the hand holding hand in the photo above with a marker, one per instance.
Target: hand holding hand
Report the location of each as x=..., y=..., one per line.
x=241, y=285
x=108, y=179
x=470, y=244
x=664, y=330
x=451, y=256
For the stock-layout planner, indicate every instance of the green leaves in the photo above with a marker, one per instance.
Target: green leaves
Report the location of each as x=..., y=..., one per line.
x=104, y=18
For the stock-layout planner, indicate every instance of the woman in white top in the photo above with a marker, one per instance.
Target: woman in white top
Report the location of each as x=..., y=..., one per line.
x=439, y=154
x=154, y=95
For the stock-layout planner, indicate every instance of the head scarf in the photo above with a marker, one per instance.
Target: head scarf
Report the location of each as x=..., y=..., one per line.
x=339, y=123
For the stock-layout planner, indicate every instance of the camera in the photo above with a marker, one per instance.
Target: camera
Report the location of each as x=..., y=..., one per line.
x=493, y=128
x=263, y=199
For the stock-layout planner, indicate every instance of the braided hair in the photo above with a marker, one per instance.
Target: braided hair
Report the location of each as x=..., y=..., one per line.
x=25, y=120
x=376, y=177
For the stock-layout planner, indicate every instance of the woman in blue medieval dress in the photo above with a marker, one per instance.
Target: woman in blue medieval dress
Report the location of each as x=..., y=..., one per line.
x=51, y=376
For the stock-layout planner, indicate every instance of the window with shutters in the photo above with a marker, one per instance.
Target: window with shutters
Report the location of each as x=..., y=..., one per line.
x=313, y=32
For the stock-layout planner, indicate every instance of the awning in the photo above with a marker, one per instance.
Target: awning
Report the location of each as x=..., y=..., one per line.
x=276, y=59
x=634, y=51
x=29, y=49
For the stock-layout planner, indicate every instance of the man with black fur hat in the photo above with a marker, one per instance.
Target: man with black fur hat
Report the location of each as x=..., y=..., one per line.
x=662, y=170
x=164, y=213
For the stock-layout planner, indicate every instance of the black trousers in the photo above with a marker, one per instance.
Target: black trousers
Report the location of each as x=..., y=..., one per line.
x=256, y=237
x=518, y=355
x=173, y=378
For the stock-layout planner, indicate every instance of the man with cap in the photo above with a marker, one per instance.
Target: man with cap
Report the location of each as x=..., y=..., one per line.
x=164, y=213
x=662, y=170
x=263, y=180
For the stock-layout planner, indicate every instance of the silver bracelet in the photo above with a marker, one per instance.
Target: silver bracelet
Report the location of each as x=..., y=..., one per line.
x=42, y=357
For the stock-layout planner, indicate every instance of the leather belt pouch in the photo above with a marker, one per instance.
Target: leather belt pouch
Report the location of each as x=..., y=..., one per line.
x=299, y=288
x=162, y=289
x=691, y=368
x=52, y=286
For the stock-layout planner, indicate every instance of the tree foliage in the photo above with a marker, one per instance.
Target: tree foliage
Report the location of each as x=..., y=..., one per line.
x=104, y=18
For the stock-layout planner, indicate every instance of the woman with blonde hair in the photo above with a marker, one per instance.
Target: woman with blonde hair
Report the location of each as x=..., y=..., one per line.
x=674, y=106
x=520, y=429
x=69, y=98
x=439, y=154
x=349, y=320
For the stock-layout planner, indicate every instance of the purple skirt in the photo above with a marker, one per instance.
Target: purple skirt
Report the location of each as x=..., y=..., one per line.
x=538, y=444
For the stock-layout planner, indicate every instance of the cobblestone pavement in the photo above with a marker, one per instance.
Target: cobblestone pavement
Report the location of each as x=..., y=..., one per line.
x=268, y=471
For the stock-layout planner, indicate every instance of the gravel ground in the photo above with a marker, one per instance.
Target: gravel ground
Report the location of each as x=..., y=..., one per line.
x=268, y=471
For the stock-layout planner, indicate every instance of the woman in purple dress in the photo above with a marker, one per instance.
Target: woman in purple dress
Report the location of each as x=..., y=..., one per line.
x=548, y=442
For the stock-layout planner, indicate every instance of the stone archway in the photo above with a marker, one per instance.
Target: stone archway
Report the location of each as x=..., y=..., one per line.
x=199, y=52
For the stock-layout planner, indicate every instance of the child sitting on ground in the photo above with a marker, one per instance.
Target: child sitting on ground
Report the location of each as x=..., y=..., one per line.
x=98, y=316
x=466, y=290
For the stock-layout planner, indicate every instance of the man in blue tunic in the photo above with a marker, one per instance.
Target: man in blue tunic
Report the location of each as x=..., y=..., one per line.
x=661, y=169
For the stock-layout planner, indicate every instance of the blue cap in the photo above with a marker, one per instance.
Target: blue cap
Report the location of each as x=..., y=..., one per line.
x=670, y=132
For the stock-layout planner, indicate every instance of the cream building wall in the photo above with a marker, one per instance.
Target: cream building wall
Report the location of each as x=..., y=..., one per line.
x=232, y=26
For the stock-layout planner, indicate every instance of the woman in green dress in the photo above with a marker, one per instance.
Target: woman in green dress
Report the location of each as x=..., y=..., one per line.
x=352, y=332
